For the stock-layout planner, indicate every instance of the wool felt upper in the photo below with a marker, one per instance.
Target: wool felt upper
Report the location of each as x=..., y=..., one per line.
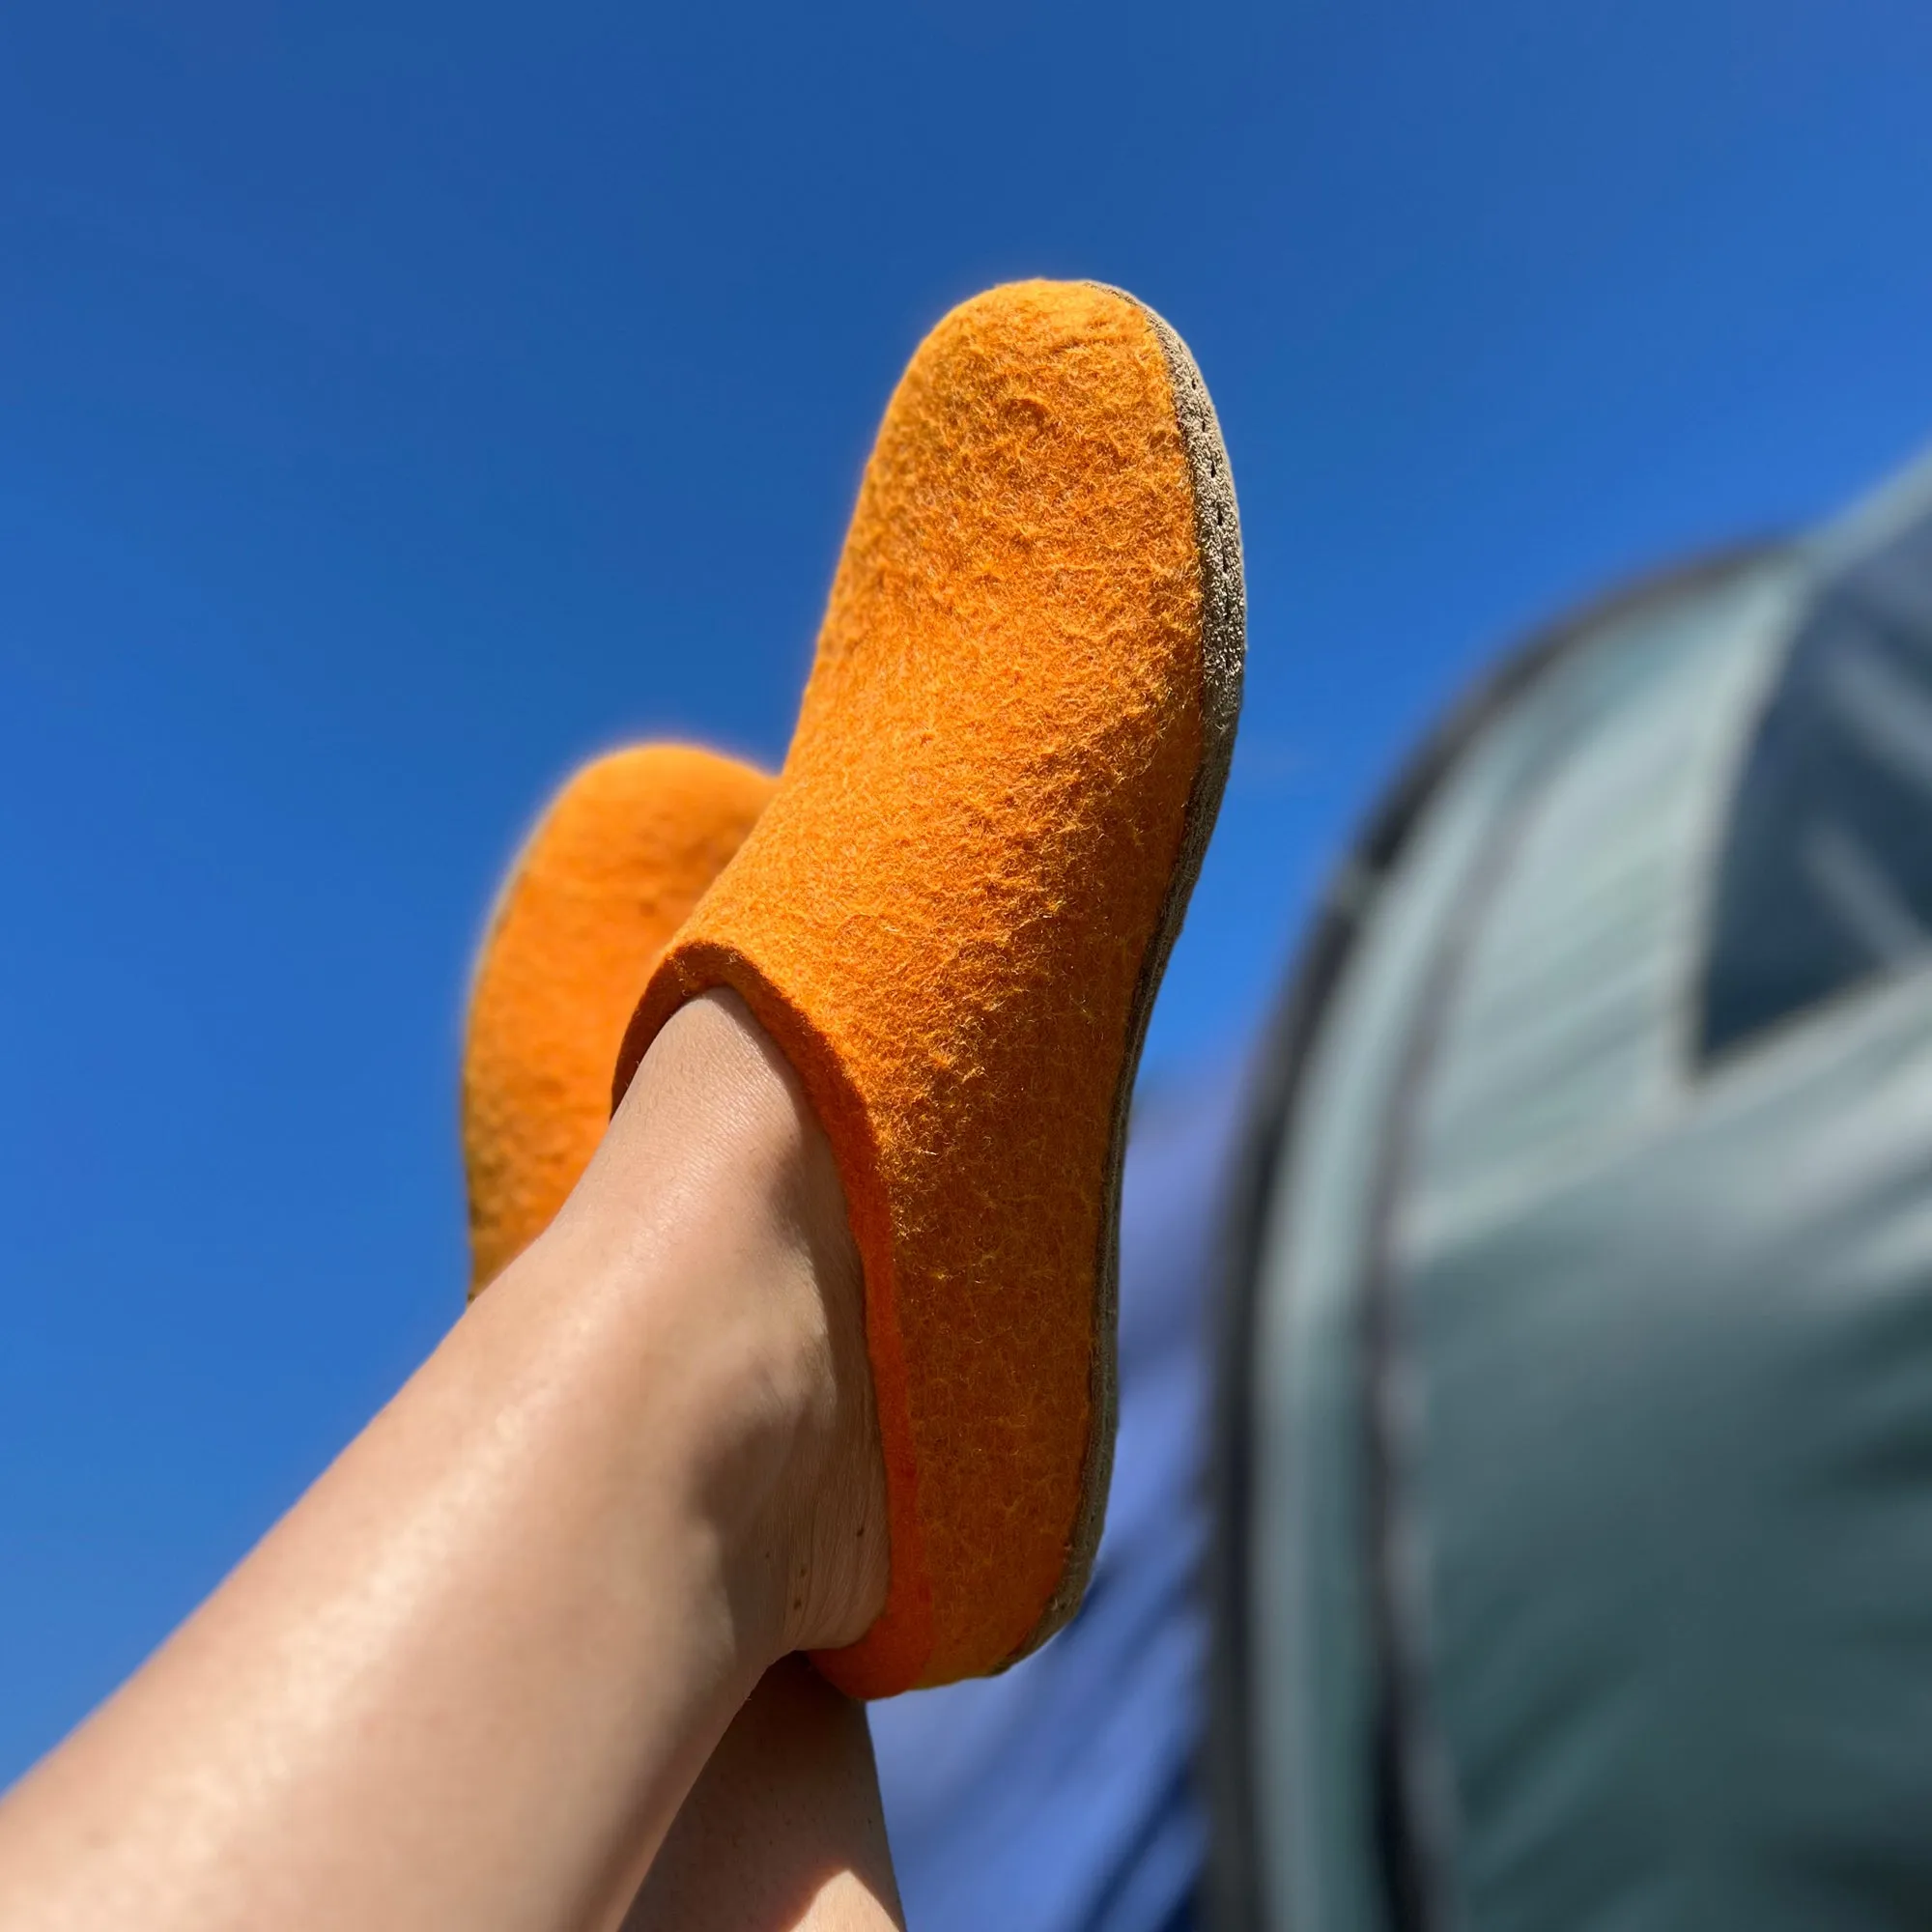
x=615, y=863
x=952, y=915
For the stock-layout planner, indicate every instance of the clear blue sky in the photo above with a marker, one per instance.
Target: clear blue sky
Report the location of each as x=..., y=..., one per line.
x=399, y=402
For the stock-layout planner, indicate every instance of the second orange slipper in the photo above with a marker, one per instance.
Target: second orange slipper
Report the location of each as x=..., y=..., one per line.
x=617, y=861
x=954, y=916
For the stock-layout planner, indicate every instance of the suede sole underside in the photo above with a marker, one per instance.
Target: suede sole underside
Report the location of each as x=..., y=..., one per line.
x=1217, y=530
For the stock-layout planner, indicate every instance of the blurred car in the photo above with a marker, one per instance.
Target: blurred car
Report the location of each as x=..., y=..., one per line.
x=1575, y=1494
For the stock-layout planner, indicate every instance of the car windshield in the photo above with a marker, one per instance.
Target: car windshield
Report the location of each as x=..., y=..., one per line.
x=1826, y=880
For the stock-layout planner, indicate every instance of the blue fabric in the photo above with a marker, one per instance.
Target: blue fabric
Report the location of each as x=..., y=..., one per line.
x=1061, y=1797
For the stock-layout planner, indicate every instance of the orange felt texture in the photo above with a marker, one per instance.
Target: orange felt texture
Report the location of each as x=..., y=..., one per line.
x=942, y=916
x=618, y=860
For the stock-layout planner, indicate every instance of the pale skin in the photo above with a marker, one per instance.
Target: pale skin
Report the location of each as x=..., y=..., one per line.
x=473, y=1676
x=784, y=1829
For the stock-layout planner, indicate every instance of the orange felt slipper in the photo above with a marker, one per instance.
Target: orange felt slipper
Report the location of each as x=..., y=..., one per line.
x=621, y=857
x=954, y=913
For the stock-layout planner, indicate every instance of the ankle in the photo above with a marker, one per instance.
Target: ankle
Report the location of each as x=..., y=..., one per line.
x=796, y=1482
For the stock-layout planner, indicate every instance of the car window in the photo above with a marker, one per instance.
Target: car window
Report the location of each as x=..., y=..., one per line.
x=1825, y=876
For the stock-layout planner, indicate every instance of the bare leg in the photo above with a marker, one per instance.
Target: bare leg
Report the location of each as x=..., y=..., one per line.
x=471, y=1676
x=784, y=1829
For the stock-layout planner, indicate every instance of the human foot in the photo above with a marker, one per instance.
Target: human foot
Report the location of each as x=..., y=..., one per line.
x=954, y=916
x=616, y=862
x=742, y=1174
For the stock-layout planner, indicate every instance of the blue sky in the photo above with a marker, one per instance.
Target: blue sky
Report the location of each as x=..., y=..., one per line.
x=399, y=403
